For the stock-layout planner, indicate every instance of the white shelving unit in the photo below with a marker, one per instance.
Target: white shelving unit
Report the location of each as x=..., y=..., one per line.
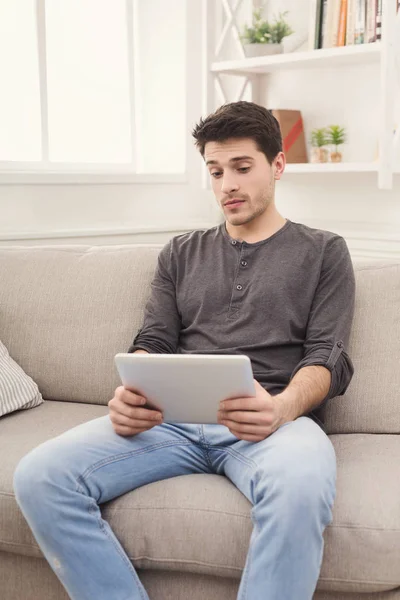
x=343, y=167
x=326, y=58
x=385, y=53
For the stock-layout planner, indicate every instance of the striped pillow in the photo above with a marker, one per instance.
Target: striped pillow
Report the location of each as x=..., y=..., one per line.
x=17, y=389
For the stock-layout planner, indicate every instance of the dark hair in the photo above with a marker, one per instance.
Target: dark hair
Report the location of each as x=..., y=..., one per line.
x=241, y=120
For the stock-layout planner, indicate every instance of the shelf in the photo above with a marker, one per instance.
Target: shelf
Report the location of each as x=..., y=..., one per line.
x=382, y=55
x=313, y=59
x=343, y=167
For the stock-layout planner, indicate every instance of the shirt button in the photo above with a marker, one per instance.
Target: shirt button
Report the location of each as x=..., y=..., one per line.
x=239, y=287
x=244, y=263
x=234, y=242
x=340, y=344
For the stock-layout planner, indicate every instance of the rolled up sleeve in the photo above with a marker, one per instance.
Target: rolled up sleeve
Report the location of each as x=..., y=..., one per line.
x=330, y=319
x=159, y=333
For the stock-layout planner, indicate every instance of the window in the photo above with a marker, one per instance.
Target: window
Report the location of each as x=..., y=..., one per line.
x=20, y=136
x=93, y=84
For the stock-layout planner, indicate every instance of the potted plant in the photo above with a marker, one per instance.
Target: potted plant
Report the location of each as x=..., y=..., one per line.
x=319, y=139
x=336, y=137
x=265, y=38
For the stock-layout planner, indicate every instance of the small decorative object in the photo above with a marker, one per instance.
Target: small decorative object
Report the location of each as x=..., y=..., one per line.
x=319, y=139
x=336, y=137
x=265, y=38
x=293, y=139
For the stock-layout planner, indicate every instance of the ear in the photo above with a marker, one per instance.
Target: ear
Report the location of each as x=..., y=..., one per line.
x=279, y=165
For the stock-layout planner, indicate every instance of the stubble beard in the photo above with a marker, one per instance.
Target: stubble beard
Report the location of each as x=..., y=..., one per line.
x=261, y=205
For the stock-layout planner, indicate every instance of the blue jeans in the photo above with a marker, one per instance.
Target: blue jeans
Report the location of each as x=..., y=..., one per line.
x=289, y=478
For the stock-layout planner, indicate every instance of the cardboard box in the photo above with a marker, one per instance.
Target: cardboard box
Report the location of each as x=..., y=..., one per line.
x=292, y=128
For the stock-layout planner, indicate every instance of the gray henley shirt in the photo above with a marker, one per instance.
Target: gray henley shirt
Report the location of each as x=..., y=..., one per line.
x=286, y=302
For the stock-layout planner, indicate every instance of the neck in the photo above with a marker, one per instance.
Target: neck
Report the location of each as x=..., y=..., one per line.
x=260, y=228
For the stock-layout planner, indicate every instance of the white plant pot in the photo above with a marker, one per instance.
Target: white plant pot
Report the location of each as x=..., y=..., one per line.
x=252, y=50
x=319, y=155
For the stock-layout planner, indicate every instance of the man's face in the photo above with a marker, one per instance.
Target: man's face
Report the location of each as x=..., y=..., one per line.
x=239, y=171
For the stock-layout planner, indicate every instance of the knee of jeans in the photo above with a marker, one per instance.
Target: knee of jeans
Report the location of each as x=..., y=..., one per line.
x=303, y=477
x=34, y=474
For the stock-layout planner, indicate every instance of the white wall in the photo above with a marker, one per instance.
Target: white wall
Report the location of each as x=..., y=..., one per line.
x=74, y=211
x=351, y=204
x=369, y=219
x=123, y=213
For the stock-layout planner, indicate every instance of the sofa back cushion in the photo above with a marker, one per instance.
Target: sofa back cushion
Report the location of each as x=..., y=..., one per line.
x=372, y=401
x=65, y=311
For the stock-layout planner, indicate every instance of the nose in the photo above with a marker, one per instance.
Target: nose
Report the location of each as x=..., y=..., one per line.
x=229, y=185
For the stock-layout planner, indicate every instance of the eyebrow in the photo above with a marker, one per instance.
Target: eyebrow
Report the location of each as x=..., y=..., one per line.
x=232, y=160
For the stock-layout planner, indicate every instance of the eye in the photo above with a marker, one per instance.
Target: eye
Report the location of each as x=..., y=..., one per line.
x=217, y=174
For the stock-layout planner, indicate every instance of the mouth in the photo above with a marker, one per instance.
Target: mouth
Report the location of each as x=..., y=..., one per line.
x=234, y=203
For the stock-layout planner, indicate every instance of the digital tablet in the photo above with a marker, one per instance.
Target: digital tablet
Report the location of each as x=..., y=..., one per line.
x=187, y=388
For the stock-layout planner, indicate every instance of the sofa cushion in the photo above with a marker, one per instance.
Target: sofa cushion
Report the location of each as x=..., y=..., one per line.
x=371, y=403
x=201, y=523
x=362, y=551
x=67, y=310
x=20, y=432
x=17, y=390
x=16, y=570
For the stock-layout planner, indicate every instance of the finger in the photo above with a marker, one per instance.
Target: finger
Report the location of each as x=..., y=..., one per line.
x=240, y=416
x=132, y=398
x=252, y=403
x=132, y=390
x=134, y=411
x=135, y=400
x=140, y=414
x=244, y=428
x=119, y=419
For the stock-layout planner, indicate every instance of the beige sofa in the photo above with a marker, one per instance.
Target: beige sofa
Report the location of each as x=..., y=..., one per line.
x=65, y=311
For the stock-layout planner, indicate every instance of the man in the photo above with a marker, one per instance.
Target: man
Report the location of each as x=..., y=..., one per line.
x=258, y=284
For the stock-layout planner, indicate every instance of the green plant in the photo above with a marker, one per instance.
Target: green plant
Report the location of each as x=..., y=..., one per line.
x=336, y=135
x=319, y=137
x=264, y=32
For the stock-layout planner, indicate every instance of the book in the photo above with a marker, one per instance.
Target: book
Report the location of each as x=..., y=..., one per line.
x=379, y=20
x=327, y=21
x=370, y=34
x=360, y=22
x=318, y=41
x=312, y=24
x=314, y=39
x=324, y=25
x=332, y=23
x=351, y=22
x=335, y=22
x=293, y=136
x=342, y=24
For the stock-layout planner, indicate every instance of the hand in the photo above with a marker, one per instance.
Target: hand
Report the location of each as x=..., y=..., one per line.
x=252, y=419
x=127, y=414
